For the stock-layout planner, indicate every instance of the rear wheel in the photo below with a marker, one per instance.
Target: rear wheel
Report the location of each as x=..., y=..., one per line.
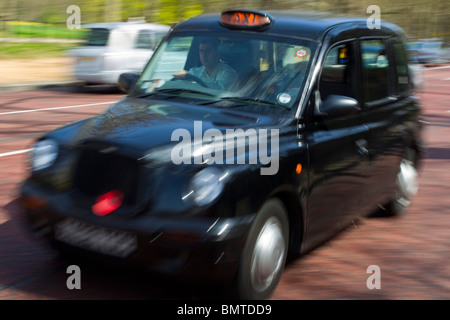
x=407, y=184
x=264, y=254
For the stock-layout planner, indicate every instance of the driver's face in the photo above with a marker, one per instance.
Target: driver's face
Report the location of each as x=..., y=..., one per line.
x=208, y=55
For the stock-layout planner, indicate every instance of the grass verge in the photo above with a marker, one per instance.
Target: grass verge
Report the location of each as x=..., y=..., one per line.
x=24, y=29
x=33, y=50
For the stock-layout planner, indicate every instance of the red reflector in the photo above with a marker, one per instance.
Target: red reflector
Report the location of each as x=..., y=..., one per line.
x=107, y=203
x=244, y=19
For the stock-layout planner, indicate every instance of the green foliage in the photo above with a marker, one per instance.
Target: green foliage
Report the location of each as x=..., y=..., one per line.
x=44, y=31
x=51, y=15
x=420, y=19
x=172, y=11
x=32, y=50
x=133, y=9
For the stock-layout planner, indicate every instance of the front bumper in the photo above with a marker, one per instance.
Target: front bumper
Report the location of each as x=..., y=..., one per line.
x=195, y=248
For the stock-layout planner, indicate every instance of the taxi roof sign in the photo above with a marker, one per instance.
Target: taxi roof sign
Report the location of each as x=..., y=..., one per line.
x=245, y=19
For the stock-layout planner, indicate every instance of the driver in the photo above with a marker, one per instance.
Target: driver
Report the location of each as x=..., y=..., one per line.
x=214, y=72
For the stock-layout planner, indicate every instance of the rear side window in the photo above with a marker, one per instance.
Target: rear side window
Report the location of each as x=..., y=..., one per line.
x=375, y=65
x=401, y=68
x=148, y=39
x=98, y=37
x=144, y=40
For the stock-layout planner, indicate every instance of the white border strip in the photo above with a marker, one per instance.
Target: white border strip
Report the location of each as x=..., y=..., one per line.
x=56, y=108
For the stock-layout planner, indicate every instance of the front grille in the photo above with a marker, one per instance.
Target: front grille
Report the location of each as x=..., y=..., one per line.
x=98, y=173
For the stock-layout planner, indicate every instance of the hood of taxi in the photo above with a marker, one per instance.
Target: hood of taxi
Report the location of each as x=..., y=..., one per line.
x=143, y=124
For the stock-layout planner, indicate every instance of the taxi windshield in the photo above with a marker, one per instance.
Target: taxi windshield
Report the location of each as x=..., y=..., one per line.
x=239, y=68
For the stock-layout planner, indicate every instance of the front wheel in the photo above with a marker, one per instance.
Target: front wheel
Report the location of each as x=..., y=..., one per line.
x=264, y=253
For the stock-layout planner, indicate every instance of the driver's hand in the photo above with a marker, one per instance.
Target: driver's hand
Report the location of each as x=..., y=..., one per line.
x=180, y=74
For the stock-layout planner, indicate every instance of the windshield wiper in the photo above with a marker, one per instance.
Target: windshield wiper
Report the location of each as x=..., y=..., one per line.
x=146, y=95
x=257, y=100
x=181, y=90
x=174, y=90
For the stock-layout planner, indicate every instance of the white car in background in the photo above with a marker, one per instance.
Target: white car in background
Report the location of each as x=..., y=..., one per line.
x=115, y=48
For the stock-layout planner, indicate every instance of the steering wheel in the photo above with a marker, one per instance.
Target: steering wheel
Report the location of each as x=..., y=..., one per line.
x=193, y=78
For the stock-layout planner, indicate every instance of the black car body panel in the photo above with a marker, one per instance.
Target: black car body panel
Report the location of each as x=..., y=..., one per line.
x=332, y=168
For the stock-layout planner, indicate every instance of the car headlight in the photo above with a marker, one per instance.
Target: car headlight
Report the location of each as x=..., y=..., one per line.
x=43, y=154
x=205, y=186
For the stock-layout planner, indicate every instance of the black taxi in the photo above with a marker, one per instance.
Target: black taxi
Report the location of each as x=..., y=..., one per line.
x=249, y=138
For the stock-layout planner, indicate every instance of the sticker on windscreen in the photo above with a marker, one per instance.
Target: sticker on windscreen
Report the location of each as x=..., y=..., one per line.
x=284, y=98
x=301, y=53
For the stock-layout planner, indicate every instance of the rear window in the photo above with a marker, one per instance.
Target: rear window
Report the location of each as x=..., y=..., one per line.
x=401, y=66
x=97, y=37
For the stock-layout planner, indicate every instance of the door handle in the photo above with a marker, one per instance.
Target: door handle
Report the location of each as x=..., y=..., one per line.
x=362, y=147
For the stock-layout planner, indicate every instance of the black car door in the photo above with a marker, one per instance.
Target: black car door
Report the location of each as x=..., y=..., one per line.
x=337, y=149
x=387, y=109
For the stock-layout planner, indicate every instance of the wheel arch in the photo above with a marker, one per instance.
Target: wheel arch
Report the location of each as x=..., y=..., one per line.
x=296, y=220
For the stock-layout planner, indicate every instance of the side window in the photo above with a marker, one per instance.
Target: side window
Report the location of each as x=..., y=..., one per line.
x=401, y=68
x=174, y=58
x=375, y=66
x=98, y=37
x=158, y=38
x=338, y=72
x=145, y=40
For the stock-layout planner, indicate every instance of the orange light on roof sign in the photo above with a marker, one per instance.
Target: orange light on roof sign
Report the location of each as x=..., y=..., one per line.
x=244, y=19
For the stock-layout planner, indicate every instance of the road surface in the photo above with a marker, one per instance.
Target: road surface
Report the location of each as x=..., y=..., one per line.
x=411, y=253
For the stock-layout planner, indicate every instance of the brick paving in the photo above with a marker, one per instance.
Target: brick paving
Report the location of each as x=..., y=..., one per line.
x=412, y=251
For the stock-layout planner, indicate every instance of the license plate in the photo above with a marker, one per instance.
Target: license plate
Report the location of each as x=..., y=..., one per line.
x=86, y=236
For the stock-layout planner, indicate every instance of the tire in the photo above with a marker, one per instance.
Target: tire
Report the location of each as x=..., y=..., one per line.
x=264, y=255
x=407, y=184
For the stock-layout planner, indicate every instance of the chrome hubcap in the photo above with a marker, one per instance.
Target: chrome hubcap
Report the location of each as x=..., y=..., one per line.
x=268, y=255
x=407, y=181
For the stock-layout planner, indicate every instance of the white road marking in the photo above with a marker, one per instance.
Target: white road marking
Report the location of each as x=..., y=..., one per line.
x=45, y=109
x=436, y=68
x=57, y=108
x=14, y=152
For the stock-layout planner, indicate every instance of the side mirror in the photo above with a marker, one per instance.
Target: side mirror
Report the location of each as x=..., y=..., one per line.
x=335, y=106
x=127, y=81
